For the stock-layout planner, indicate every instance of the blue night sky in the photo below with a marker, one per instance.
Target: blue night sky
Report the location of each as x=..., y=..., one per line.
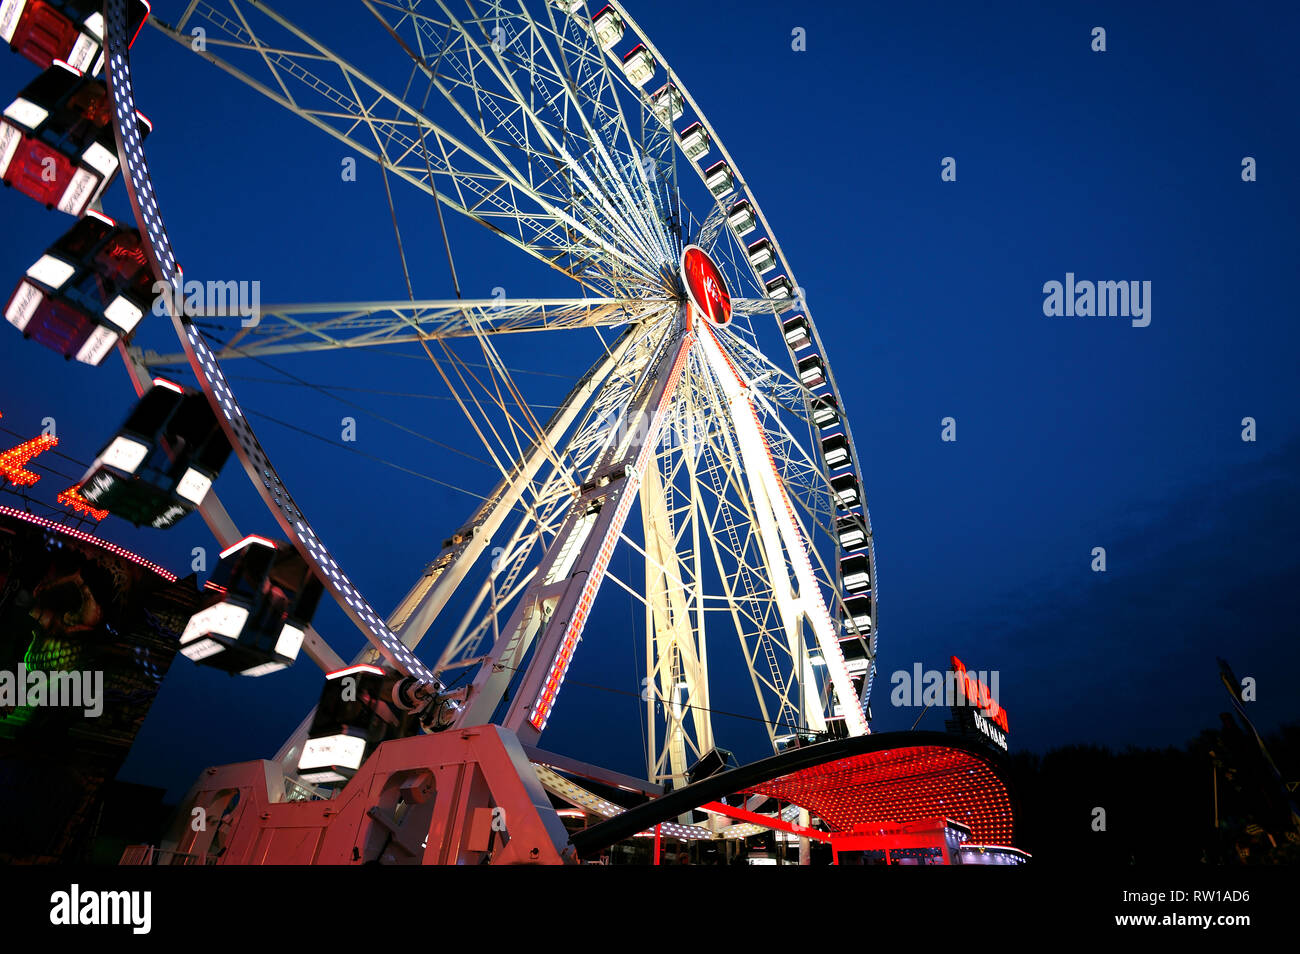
x=1072, y=433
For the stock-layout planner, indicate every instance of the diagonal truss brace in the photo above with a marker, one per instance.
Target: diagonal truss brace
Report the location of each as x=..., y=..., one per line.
x=553, y=611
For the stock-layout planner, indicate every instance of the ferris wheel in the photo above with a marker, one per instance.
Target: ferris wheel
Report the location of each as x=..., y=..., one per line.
x=707, y=437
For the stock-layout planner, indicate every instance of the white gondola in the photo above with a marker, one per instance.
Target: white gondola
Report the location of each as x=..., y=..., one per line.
x=159, y=465
x=836, y=451
x=825, y=411
x=855, y=572
x=780, y=288
x=857, y=615
x=741, y=218
x=857, y=658
x=360, y=707
x=846, y=490
x=812, y=371
x=851, y=531
x=608, y=27
x=668, y=103
x=719, y=179
x=257, y=607
x=797, y=333
x=762, y=256
x=694, y=140
x=638, y=65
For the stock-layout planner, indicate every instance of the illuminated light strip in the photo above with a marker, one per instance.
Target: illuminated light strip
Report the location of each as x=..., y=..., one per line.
x=673, y=830
x=810, y=594
x=967, y=846
x=560, y=786
x=541, y=711
x=360, y=667
x=112, y=548
x=731, y=366
x=164, y=383
x=247, y=541
x=72, y=498
x=256, y=464
x=743, y=830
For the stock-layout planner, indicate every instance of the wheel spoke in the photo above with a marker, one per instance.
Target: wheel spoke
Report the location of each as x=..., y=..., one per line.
x=491, y=67
x=298, y=328
x=309, y=79
x=551, y=492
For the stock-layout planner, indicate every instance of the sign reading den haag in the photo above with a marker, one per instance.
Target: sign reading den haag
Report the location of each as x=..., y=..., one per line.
x=976, y=712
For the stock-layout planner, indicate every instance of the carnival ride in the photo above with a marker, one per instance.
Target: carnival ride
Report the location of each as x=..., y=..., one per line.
x=711, y=409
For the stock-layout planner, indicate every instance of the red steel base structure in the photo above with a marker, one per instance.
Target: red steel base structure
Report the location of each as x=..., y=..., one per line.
x=460, y=797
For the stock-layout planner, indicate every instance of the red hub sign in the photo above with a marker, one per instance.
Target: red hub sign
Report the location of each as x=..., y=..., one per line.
x=705, y=286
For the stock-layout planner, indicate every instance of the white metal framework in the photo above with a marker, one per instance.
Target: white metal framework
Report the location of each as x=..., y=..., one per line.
x=563, y=130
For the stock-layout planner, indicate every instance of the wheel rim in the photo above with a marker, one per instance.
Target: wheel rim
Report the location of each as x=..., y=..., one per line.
x=623, y=242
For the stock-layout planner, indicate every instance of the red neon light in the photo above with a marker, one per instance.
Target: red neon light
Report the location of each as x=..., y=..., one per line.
x=127, y=248
x=72, y=498
x=978, y=694
x=148, y=11
x=13, y=462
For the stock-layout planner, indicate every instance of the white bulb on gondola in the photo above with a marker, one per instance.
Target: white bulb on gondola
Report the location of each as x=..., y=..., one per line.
x=125, y=454
x=51, y=271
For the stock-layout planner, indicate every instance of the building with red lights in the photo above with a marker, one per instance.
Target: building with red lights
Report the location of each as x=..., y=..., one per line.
x=888, y=798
